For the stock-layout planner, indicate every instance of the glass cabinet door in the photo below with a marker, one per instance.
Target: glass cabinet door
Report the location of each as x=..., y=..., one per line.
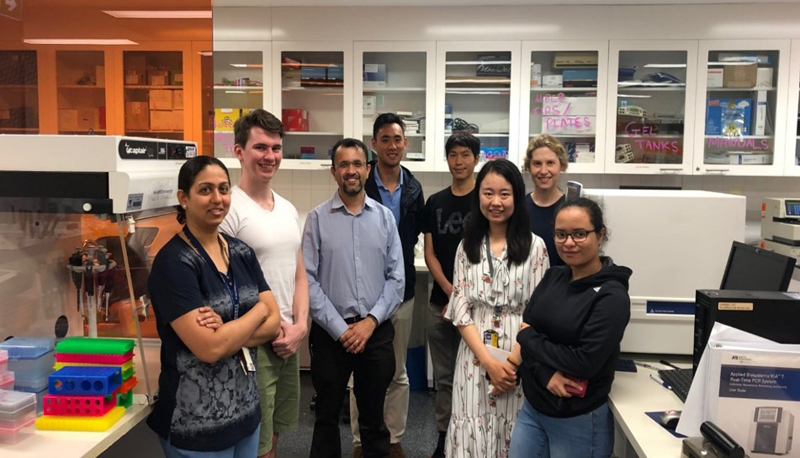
x=477, y=92
x=566, y=99
x=19, y=92
x=792, y=162
x=649, y=107
x=312, y=80
x=742, y=134
x=81, y=89
x=397, y=78
x=154, y=95
x=239, y=79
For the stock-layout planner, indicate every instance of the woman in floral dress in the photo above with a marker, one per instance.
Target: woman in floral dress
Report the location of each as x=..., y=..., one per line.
x=497, y=266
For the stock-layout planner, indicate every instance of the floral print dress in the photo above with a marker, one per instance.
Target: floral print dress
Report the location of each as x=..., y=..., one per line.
x=480, y=425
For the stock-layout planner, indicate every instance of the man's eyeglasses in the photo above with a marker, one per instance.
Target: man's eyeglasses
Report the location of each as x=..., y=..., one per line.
x=345, y=164
x=577, y=236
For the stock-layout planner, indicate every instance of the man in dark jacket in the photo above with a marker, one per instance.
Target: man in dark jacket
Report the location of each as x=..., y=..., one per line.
x=396, y=188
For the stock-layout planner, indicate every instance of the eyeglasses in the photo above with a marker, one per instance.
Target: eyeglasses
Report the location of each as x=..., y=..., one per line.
x=577, y=236
x=345, y=164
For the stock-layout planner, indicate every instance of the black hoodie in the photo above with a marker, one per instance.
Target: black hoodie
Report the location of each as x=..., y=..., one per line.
x=576, y=328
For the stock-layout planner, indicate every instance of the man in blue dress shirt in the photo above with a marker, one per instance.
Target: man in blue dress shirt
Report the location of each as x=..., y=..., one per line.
x=356, y=281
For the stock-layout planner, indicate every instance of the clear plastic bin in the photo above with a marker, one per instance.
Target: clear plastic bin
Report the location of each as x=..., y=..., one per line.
x=15, y=404
x=28, y=347
x=17, y=423
x=31, y=386
x=14, y=435
x=7, y=381
x=32, y=370
x=3, y=362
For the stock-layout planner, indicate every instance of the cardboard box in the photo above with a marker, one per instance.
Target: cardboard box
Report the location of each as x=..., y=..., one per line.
x=67, y=120
x=740, y=75
x=750, y=159
x=487, y=68
x=133, y=78
x=137, y=116
x=714, y=77
x=177, y=100
x=374, y=75
x=158, y=78
x=572, y=59
x=224, y=118
x=764, y=77
x=176, y=79
x=161, y=100
x=100, y=75
x=295, y=120
x=177, y=119
x=552, y=81
x=88, y=118
x=162, y=120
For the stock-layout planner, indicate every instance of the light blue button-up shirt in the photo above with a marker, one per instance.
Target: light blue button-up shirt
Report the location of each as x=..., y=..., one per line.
x=391, y=201
x=354, y=263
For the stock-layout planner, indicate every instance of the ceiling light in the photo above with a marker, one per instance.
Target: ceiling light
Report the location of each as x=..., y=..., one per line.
x=199, y=14
x=632, y=96
x=79, y=41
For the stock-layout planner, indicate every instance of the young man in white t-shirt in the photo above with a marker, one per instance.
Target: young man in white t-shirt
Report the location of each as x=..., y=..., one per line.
x=270, y=224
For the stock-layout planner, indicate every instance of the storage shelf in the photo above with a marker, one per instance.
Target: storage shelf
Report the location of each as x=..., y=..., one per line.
x=564, y=135
x=482, y=135
x=154, y=132
x=651, y=89
x=478, y=91
x=80, y=132
x=80, y=86
x=18, y=86
x=741, y=89
x=239, y=88
x=320, y=134
x=19, y=129
x=743, y=137
x=477, y=62
x=563, y=89
x=394, y=89
x=650, y=136
x=136, y=86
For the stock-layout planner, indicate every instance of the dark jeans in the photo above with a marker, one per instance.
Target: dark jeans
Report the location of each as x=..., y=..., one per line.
x=372, y=371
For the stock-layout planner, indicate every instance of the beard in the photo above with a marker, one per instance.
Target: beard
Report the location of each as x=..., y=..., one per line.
x=353, y=190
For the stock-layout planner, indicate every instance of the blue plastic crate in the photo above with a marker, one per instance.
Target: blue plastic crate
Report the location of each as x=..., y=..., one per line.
x=27, y=347
x=97, y=381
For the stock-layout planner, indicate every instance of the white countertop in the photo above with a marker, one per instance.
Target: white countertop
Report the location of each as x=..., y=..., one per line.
x=631, y=396
x=74, y=444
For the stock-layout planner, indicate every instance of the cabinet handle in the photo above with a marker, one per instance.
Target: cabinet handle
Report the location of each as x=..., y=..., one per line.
x=673, y=171
x=718, y=171
x=325, y=164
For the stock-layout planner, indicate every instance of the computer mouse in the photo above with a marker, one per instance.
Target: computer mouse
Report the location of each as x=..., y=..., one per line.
x=669, y=419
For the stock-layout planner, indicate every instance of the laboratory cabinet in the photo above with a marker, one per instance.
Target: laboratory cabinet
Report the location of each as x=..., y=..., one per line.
x=19, y=97
x=397, y=77
x=792, y=159
x=650, y=110
x=742, y=97
x=241, y=83
x=478, y=91
x=564, y=86
x=313, y=94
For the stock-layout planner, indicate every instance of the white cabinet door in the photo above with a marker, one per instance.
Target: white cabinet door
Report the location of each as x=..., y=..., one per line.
x=792, y=160
x=478, y=91
x=650, y=109
x=242, y=82
x=741, y=106
x=397, y=77
x=564, y=85
x=313, y=92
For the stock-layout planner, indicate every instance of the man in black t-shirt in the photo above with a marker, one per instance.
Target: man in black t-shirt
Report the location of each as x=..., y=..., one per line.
x=446, y=213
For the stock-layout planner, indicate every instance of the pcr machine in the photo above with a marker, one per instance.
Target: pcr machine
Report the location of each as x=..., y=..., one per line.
x=780, y=226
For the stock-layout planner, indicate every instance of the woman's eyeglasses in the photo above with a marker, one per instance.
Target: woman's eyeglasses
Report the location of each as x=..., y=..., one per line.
x=577, y=236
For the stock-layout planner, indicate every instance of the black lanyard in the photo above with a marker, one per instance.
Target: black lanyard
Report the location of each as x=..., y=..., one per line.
x=227, y=280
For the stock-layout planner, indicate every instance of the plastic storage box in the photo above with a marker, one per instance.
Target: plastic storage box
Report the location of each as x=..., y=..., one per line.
x=14, y=435
x=15, y=405
x=7, y=381
x=30, y=358
x=3, y=362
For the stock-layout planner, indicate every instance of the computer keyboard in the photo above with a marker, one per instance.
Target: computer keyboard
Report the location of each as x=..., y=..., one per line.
x=626, y=365
x=680, y=380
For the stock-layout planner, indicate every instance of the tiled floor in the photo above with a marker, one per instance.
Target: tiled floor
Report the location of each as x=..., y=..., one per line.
x=418, y=441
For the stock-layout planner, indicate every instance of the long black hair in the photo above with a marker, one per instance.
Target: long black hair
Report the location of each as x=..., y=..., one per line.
x=518, y=232
x=188, y=173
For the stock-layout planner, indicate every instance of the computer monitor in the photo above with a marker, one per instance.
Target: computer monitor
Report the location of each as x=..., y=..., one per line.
x=752, y=269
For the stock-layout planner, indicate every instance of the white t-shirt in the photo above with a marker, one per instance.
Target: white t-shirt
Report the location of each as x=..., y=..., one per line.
x=275, y=236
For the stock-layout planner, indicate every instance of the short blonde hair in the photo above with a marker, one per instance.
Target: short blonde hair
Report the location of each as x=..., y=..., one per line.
x=545, y=141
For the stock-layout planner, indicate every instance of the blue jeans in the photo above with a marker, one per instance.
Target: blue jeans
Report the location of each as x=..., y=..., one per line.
x=535, y=435
x=246, y=448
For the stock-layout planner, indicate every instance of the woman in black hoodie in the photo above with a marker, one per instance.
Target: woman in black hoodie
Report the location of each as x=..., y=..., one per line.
x=570, y=341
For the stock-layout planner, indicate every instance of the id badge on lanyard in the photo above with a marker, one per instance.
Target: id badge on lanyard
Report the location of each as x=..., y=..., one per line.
x=492, y=336
x=244, y=358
